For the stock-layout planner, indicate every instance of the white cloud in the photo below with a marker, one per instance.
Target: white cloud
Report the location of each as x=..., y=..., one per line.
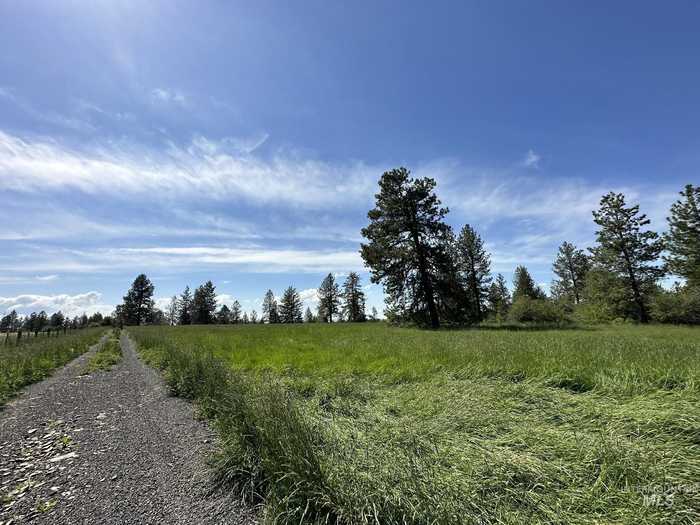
x=51, y=277
x=70, y=305
x=531, y=160
x=168, y=95
x=309, y=297
x=214, y=170
x=256, y=259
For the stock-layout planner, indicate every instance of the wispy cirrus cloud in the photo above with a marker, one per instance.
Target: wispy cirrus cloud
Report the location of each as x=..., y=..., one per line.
x=165, y=95
x=214, y=170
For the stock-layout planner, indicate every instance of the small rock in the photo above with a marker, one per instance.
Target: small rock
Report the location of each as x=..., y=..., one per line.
x=64, y=456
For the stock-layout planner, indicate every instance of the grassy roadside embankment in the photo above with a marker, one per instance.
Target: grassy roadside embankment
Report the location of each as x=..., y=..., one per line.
x=373, y=424
x=35, y=359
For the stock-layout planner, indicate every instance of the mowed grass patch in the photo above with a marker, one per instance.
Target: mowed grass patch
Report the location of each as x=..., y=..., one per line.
x=108, y=354
x=34, y=359
x=369, y=423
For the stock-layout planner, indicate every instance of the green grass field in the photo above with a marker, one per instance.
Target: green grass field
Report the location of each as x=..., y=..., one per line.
x=33, y=359
x=369, y=423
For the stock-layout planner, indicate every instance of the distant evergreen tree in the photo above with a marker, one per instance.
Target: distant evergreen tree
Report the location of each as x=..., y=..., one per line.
x=244, y=319
x=524, y=285
x=474, y=267
x=253, y=317
x=353, y=299
x=290, y=308
x=10, y=322
x=138, y=302
x=171, y=312
x=236, y=312
x=270, y=312
x=683, y=237
x=308, y=316
x=406, y=246
x=571, y=267
x=57, y=319
x=223, y=316
x=328, y=299
x=184, y=307
x=626, y=251
x=374, y=316
x=499, y=297
x=204, y=304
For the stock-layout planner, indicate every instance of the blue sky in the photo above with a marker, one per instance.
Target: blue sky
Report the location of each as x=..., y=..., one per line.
x=242, y=142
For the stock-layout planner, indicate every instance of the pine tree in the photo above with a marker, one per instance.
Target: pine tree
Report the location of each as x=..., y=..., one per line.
x=269, y=308
x=524, y=285
x=57, y=319
x=244, y=319
x=253, y=317
x=185, y=307
x=374, y=316
x=626, y=251
x=236, y=312
x=223, y=316
x=353, y=299
x=171, y=313
x=138, y=302
x=683, y=237
x=571, y=267
x=308, y=316
x=474, y=267
x=405, y=249
x=328, y=299
x=290, y=308
x=499, y=297
x=204, y=304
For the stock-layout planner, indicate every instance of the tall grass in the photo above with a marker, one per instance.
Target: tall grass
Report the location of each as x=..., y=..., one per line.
x=35, y=359
x=371, y=424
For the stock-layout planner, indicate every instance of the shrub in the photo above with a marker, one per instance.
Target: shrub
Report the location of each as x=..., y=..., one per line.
x=526, y=310
x=679, y=306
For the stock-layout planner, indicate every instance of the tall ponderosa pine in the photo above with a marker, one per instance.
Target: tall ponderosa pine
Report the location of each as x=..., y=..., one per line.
x=626, y=251
x=474, y=267
x=571, y=267
x=499, y=297
x=353, y=299
x=138, y=302
x=328, y=299
x=406, y=244
x=204, y=304
x=270, y=312
x=524, y=285
x=184, y=307
x=290, y=307
x=683, y=237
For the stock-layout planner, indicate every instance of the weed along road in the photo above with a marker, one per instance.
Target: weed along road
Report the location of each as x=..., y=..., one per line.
x=102, y=442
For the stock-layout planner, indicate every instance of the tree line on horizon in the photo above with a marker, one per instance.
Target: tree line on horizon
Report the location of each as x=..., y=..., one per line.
x=345, y=304
x=432, y=276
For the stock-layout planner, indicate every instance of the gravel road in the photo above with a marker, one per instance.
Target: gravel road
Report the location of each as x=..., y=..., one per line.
x=109, y=447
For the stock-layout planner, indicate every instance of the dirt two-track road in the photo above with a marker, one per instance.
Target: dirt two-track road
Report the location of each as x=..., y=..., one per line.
x=106, y=448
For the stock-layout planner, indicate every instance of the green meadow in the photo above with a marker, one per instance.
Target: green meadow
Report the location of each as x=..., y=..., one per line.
x=367, y=423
